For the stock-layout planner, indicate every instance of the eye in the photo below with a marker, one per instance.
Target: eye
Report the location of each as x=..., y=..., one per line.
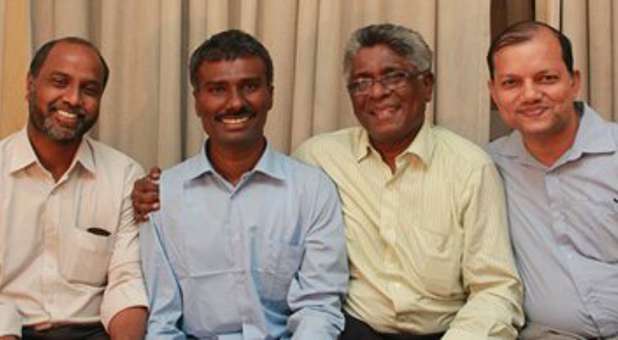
x=250, y=87
x=360, y=85
x=216, y=89
x=549, y=78
x=395, y=77
x=59, y=81
x=508, y=82
x=92, y=91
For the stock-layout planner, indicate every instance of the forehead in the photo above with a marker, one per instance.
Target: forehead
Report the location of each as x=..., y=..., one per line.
x=376, y=59
x=541, y=52
x=229, y=70
x=76, y=60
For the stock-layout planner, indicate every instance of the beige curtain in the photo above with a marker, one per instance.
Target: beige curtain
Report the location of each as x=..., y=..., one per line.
x=592, y=26
x=14, y=58
x=148, y=109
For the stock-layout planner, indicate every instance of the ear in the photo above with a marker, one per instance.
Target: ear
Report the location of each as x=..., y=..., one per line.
x=576, y=83
x=271, y=97
x=491, y=88
x=428, y=80
x=29, y=85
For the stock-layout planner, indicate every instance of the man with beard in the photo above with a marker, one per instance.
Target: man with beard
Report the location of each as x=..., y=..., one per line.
x=424, y=209
x=560, y=167
x=249, y=243
x=69, y=258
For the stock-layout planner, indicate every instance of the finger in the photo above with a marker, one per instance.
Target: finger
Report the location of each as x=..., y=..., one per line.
x=154, y=174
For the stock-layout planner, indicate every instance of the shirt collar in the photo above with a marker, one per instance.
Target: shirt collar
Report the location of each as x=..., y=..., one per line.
x=422, y=146
x=267, y=165
x=593, y=136
x=25, y=156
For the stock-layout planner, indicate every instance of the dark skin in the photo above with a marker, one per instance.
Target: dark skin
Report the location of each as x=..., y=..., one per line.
x=392, y=118
x=64, y=100
x=232, y=99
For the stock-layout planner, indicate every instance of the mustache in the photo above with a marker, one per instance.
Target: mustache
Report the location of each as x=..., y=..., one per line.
x=243, y=111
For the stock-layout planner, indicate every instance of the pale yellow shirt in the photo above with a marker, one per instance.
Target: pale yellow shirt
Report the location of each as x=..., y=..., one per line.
x=51, y=269
x=428, y=246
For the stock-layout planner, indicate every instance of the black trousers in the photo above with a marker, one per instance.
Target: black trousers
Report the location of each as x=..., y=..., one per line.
x=358, y=330
x=92, y=331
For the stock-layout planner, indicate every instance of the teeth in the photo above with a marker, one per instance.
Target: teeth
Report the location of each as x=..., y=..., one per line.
x=67, y=114
x=234, y=120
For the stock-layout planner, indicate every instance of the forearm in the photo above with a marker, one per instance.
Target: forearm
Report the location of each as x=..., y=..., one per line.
x=129, y=324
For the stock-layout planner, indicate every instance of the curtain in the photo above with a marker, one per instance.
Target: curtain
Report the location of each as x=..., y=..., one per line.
x=148, y=110
x=14, y=58
x=593, y=29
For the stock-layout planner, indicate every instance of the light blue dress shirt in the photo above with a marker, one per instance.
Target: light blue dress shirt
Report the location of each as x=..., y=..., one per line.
x=264, y=259
x=564, y=228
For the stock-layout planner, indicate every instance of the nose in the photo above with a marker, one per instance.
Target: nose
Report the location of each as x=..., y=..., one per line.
x=378, y=90
x=72, y=96
x=530, y=92
x=236, y=100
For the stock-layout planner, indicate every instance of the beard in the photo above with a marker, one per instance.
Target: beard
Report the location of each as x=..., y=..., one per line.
x=45, y=123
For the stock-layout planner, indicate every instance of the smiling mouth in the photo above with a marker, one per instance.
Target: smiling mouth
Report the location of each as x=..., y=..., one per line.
x=532, y=112
x=383, y=113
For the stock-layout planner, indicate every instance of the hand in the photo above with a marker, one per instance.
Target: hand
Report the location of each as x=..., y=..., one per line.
x=145, y=195
x=9, y=337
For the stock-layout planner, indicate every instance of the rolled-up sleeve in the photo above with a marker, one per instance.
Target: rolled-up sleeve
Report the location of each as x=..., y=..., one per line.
x=316, y=294
x=494, y=306
x=10, y=319
x=125, y=284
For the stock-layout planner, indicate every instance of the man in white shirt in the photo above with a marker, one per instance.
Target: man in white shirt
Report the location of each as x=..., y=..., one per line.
x=69, y=257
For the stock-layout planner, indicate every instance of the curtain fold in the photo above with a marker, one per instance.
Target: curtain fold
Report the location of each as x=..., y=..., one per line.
x=148, y=109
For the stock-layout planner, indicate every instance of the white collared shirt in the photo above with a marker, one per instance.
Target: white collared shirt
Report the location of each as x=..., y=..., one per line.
x=52, y=269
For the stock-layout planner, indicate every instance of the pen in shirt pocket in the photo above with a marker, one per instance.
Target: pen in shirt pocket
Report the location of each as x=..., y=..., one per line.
x=98, y=231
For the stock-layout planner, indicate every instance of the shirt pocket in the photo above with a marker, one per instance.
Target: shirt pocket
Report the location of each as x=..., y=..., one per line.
x=278, y=265
x=441, y=262
x=592, y=228
x=84, y=257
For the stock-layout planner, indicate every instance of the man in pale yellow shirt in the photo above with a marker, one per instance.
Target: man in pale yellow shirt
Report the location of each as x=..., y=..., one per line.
x=424, y=208
x=69, y=258
x=426, y=227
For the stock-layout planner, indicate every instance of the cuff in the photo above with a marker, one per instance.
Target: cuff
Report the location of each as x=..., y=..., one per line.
x=458, y=334
x=121, y=297
x=10, y=320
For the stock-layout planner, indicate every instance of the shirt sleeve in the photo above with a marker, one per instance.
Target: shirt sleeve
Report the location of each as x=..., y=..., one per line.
x=10, y=319
x=494, y=306
x=125, y=285
x=161, y=284
x=317, y=290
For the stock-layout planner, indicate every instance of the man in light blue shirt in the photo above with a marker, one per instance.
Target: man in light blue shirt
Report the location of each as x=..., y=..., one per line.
x=249, y=243
x=560, y=170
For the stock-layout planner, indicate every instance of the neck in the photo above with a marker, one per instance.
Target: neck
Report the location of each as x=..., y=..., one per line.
x=390, y=150
x=54, y=156
x=232, y=162
x=547, y=149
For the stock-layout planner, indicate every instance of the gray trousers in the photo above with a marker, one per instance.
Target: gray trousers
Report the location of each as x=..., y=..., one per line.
x=535, y=331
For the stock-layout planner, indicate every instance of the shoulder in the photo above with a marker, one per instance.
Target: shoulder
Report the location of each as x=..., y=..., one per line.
x=300, y=172
x=329, y=146
x=114, y=163
x=451, y=147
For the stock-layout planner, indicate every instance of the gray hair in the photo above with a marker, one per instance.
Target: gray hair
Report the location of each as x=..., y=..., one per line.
x=403, y=41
